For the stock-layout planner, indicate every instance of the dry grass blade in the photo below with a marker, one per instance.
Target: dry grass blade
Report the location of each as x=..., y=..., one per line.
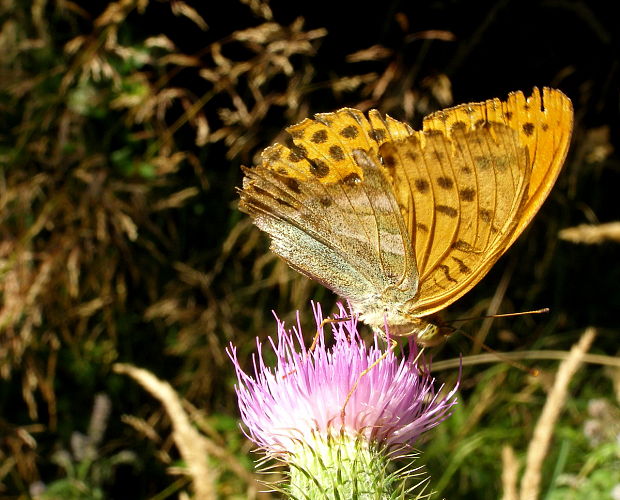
x=591, y=235
x=543, y=432
x=191, y=444
x=510, y=471
x=491, y=358
x=374, y=53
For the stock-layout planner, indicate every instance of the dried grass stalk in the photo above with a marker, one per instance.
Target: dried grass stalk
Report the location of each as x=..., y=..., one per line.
x=543, y=432
x=590, y=234
x=191, y=444
x=510, y=471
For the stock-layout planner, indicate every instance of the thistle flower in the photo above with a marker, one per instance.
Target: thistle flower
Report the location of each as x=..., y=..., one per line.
x=336, y=428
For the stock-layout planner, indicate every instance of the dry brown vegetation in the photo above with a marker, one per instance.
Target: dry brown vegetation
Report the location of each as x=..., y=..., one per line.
x=123, y=127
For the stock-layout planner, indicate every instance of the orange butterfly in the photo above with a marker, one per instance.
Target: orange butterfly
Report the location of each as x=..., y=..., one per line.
x=403, y=222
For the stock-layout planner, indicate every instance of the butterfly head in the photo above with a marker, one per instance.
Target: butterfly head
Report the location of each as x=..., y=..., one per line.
x=428, y=331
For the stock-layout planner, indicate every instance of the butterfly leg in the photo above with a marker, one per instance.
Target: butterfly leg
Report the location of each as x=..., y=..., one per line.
x=415, y=361
x=393, y=344
x=315, y=340
x=319, y=329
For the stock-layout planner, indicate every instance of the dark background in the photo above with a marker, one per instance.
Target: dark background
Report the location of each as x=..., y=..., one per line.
x=215, y=268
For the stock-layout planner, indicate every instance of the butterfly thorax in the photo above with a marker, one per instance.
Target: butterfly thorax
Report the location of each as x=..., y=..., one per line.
x=428, y=331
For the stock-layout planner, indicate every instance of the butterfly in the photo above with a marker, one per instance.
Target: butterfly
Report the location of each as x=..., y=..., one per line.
x=403, y=222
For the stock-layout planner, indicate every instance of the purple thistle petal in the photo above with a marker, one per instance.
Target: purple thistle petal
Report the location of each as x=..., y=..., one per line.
x=393, y=404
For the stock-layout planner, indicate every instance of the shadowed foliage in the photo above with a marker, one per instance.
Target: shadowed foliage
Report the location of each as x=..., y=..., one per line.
x=123, y=128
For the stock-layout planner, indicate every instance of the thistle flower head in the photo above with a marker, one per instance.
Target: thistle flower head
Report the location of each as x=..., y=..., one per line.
x=303, y=397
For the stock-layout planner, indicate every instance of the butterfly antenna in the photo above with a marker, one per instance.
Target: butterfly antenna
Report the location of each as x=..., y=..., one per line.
x=532, y=371
x=506, y=315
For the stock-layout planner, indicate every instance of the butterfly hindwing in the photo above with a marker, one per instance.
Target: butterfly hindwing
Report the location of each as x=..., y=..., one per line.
x=546, y=124
x=474, y=177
